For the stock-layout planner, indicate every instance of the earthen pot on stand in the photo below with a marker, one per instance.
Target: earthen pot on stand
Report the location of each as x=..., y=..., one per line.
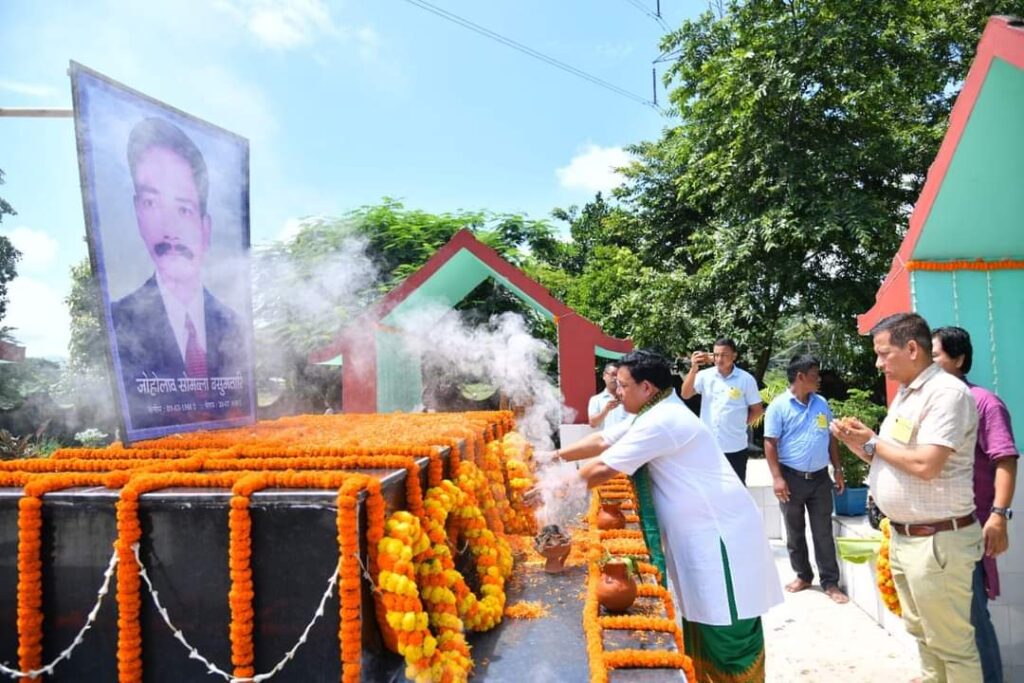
x=616, y=590
x=610, y=517
x=556, y=556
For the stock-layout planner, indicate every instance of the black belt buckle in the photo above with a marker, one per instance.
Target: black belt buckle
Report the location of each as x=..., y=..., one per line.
x=806, y=476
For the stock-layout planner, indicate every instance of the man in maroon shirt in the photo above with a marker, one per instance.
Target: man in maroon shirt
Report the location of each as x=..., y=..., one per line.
x=995, y=472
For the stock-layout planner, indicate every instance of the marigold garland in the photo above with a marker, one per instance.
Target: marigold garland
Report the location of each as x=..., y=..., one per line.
x=248, y=459
x=883, y=572
x=30, y=563
x=626, y=541
x=517, y=458
x=979, y=264
x=428, y=658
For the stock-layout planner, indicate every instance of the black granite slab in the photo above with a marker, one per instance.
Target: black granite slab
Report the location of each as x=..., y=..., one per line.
x=553, y=648
x=184, y=550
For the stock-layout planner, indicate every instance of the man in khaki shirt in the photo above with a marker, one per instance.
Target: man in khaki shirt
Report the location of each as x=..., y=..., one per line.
x=922, y=479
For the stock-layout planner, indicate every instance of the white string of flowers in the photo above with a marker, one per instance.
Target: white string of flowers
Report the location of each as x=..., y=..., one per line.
x=992, y=330
x=48, y=669
x=956, y=301
x=212, y=668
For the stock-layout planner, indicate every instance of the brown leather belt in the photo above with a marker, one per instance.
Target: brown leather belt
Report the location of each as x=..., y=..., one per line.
x=933, y=528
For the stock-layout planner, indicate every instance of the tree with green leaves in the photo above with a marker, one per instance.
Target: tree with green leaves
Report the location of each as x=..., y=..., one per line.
x=9, y=256
x=87, y=347
x=805, y=130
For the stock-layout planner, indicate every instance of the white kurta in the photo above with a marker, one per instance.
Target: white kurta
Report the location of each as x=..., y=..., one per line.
x=699, y=502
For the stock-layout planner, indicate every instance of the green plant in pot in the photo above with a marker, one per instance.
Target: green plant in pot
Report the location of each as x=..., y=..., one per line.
x=858, y=404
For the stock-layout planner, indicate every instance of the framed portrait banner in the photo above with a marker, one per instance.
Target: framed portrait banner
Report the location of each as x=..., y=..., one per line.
x=166, y=202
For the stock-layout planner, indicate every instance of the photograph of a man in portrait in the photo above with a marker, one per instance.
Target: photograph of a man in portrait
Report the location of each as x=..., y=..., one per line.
x=166, y=200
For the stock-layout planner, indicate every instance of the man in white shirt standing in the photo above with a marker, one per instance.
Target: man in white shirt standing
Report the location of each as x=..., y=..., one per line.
x=730, y=400
x=605, y=409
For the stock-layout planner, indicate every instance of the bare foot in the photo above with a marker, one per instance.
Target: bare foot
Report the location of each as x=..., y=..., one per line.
x=838, y=596
x=797, y=585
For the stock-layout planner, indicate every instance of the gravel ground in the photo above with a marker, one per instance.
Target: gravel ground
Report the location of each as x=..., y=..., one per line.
x=810, y=638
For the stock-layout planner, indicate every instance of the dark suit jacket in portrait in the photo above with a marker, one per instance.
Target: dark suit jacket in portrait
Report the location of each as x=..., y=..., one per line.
x=147, y=350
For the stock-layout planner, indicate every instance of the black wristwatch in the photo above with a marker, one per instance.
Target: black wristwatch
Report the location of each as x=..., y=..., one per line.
x=1005, y=512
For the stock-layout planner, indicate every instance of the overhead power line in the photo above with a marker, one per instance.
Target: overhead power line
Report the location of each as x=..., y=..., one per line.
x=653, y=15
x=529, y=51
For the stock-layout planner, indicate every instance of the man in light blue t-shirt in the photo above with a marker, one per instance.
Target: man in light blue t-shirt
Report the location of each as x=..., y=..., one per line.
x=799, y=447
x=729, y=400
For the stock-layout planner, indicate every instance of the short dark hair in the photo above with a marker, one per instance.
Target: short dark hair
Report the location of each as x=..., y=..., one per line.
x=648, y=366
x=802, y=363
x=956, y=342
x=725, y=341
x=611, y=364
x=155, y=132
x=902, y=327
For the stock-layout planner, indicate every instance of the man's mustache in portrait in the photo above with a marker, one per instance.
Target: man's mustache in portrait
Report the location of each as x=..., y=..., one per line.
x=163, y=248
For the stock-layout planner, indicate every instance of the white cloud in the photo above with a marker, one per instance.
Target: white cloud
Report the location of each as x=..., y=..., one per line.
x=614, y=51
x=37, y=312
x=368, y=41
x=282, y=24
x=38, y=249
x=30, y=89
x=235, y=104
x=593, y=169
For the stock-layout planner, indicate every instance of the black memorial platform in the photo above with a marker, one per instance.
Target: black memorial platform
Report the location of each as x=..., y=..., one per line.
x=185, y=553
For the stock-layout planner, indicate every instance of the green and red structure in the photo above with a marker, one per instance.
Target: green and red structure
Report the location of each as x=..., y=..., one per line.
x=378, y=375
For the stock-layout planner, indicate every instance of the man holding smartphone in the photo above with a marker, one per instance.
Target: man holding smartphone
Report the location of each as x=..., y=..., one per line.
x=605, y=408
x=729, y=400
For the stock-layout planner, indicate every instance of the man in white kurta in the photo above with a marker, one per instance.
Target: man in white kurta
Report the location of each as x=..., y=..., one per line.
x=713, y=538
x=699, y=503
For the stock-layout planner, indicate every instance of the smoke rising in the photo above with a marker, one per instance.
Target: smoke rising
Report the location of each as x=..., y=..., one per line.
x=501, y=353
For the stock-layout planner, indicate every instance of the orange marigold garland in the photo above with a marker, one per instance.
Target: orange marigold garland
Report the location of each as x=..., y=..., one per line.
x=883, y=572
x=241, y=594
x=631, y=542
x=250, y=458
x=30, y=583
x=30, y=563
x=129, y=533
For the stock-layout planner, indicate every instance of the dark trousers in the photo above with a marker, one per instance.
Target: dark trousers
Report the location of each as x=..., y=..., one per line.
x=738, y=460
x=815, y=496
x=984, y=631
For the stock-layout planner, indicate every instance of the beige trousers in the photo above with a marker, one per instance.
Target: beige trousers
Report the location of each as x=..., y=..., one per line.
x=933, y=580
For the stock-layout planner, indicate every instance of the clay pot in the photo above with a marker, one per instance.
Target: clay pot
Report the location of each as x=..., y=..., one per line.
x=556, y=556
x=610, y=517
x=616, y=590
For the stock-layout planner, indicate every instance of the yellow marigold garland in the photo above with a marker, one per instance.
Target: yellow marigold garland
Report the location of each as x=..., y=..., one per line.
x=883, y=572
x=517, y=458
x=428, y=658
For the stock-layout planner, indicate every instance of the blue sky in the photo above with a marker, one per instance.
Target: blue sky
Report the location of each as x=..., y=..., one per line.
x=343, y=103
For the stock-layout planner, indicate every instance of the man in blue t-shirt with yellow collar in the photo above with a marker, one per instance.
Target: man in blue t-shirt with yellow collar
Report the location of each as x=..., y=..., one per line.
x=799, y=447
